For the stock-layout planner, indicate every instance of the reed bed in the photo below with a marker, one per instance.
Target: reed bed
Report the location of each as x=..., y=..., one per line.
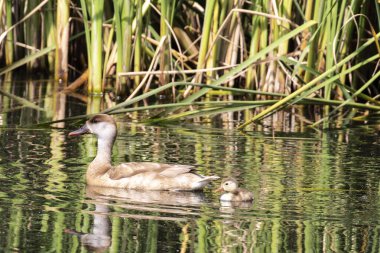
x=280, y=52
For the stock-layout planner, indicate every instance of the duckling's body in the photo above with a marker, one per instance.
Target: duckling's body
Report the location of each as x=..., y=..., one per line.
x=233, y=193
x=144, y=175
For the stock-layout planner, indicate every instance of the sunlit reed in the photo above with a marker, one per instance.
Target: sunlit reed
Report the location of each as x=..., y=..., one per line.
x=295, y=48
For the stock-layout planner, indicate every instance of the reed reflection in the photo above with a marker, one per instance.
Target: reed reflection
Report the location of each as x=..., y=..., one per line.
x=114, y=208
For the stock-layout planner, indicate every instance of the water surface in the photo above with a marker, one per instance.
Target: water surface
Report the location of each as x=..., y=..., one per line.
x=314, y=191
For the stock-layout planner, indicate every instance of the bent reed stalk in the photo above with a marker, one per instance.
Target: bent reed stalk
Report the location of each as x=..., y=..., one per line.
x=287, y=50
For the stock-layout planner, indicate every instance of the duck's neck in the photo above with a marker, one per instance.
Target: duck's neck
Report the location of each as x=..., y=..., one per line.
x=102, y=162
x=104, y=152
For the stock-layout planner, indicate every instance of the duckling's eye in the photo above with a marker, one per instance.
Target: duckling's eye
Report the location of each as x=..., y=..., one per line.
x=226, y=183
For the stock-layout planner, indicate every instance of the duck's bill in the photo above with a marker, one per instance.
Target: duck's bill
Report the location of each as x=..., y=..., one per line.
x=220, y=189
x=83, y=130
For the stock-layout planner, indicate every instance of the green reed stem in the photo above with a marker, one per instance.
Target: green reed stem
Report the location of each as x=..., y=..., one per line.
x=344, y=86
x=313, y=46
x=241, y=67
x=357, y=93
x=31, y=57
x=32, y=33
x=62, y=40
x=119, y=36
x=308, y=86
x=97, y=8
x=138, y=41
x=123, y=17
x=51, y=32
x=126, y=22
x=108, y=49
x=205, y=34
x=9, y=40
x=164, y=32
x=87, y=33
x=253, y=49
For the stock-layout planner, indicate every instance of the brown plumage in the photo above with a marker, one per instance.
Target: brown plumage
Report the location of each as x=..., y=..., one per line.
x=134, y=175
x=232, y=191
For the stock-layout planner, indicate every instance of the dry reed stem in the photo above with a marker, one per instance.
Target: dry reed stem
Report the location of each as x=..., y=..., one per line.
x=174, y=72
x=4, y=34
x=177, y=54
x=77, y=83
x=173, y=34
x=155, y=57
x=225, y=22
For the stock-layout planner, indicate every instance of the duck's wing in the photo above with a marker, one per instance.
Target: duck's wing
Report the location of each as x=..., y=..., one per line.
x=133, y=168
x=175, y=170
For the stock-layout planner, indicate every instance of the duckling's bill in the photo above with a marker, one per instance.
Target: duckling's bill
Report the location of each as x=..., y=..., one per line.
x=220, y=189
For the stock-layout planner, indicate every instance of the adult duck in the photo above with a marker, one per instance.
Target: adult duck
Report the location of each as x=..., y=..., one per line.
x=232, y=191
x=134, y=175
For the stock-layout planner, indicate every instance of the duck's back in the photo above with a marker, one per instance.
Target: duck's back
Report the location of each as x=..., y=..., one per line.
x=161, y=169
x=153, y=176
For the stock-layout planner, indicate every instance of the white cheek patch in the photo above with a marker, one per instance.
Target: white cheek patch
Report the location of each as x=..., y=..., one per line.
x=89, y=128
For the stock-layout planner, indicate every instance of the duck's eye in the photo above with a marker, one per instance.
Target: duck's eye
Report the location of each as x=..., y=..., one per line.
x=226, y=183
x=95, y=120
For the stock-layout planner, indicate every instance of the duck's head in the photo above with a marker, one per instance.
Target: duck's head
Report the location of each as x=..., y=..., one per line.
x=228, y=185
x=102, y=125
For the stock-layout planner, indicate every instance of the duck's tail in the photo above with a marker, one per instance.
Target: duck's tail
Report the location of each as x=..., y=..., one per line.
x=203, y=182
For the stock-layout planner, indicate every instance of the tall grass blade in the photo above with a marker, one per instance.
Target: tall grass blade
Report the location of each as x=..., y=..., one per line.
x=308, y=86
x=241, y=67
x=25, y=60
x=31, y=13
x=21, y=100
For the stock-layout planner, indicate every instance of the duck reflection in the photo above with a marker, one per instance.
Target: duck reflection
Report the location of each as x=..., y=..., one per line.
x=168, y=205
x=99, y=240
x=174, y=198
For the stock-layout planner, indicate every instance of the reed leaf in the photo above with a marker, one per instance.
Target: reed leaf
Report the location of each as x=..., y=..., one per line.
x=343, y=86
x=241, y=67
x=357, y=93
x=335, y=78
x=21, y=100
x=175, y=84
x=308, y=86
x=34, y=56
x=30, y=14
x=26, y=59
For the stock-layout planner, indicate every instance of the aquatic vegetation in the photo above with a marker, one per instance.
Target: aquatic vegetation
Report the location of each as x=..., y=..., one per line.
x=288, y=52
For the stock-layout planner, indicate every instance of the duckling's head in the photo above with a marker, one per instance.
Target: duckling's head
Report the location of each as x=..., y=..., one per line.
x=102, y=125
x=228, y=185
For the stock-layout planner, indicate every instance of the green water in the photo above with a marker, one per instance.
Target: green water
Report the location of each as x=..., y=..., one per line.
x=314, y=191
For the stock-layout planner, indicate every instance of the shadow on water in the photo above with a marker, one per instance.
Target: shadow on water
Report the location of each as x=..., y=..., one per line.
x=314, y=192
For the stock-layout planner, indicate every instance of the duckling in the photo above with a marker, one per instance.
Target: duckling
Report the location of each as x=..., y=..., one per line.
x=233, y=192
x=134, y=175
